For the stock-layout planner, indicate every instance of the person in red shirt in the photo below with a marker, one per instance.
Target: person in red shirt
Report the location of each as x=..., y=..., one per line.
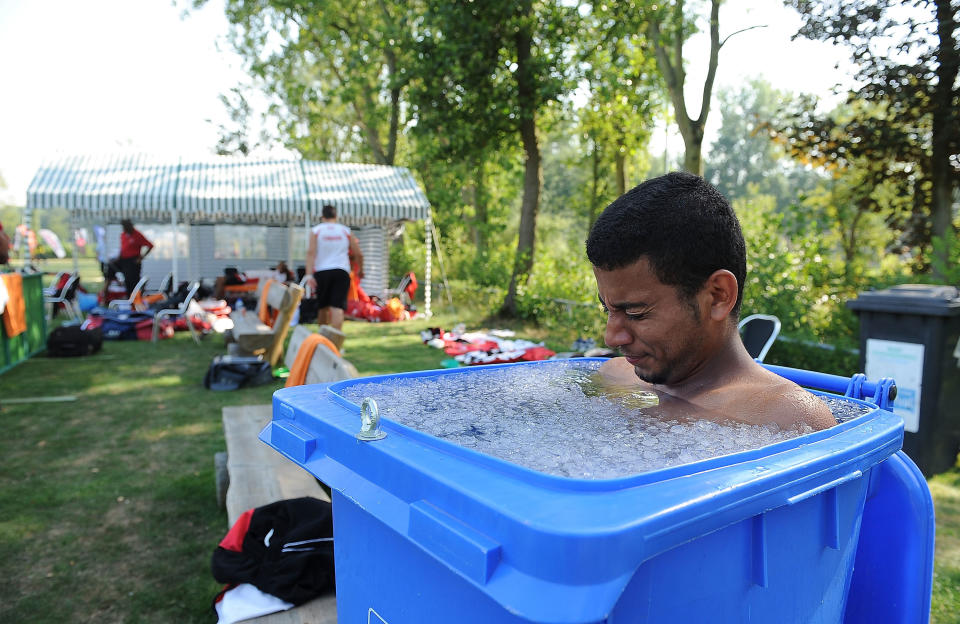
x=132, y=244
x=4, y=246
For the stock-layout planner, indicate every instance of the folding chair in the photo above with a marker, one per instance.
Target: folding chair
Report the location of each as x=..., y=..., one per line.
x=758, y=332
x=166, y=286
x=134, y=301
x=404, y=290
x=181, y=310
x=51, y=290
x=307, y=291
x=67, y=297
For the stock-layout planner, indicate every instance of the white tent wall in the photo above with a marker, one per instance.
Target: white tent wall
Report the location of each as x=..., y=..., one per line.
x=207, y=257
x=246, y=247
x=198, y=256
x=373, y=244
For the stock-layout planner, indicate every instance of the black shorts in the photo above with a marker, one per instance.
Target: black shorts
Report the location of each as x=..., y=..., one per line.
x=332, y=288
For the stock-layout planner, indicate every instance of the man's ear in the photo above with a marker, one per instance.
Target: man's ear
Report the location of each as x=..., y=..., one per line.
x=720, y=290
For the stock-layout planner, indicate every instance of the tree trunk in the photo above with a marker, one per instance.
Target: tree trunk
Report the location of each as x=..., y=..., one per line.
x=669, y=55
x=692, y=155
x=594, y=186
x=479, y=201
x=527, y=102
x=621, y=167
x=941, y=207
x=394, y=110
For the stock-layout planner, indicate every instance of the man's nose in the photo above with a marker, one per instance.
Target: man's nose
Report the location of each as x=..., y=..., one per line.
x=615, y=335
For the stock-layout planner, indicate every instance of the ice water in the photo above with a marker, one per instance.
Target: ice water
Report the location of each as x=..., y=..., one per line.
x=561, y=420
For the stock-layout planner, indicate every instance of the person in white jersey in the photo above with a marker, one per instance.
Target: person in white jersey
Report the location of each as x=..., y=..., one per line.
x=328, y=257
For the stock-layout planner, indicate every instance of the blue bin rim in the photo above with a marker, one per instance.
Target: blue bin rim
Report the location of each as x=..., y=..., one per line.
x=584, y=484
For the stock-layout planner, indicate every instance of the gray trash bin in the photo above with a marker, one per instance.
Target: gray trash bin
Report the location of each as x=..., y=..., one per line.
x=912, y=333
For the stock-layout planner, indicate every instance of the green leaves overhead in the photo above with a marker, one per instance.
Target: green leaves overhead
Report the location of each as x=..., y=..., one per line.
x=908, y=56
x=334, y=71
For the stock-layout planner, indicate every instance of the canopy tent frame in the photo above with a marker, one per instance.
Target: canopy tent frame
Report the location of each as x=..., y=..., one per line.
x=229, y=191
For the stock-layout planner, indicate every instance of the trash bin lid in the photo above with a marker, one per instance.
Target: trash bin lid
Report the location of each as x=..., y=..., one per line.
x=919, y=299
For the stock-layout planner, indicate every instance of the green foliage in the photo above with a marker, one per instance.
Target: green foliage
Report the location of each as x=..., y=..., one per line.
x=624, y=93
x=946, y=262
x=815, y=356
x=743, y=158
x=560, y=296
x=905, y=127
x=793, y=278
x=10, y=217
x=334, y=73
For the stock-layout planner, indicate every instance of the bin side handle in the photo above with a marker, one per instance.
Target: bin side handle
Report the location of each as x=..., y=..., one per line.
x=454, y=542
x=823, y=487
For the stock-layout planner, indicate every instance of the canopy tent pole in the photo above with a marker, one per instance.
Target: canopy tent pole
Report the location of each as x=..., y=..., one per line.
x=25, y=239
x=443, y=273
x=176, y=240
x=291, y=233
x=76, y=256
x=306, y=241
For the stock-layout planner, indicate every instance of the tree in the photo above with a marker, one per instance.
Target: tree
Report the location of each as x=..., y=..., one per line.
x=860, y=150
x=667, y=26
x=744, y=159
x=336, y=70
x=452, y=95
x=667, y=33
x=909, y=59
x=624, y=90
x=500, y=64
x=235, y=138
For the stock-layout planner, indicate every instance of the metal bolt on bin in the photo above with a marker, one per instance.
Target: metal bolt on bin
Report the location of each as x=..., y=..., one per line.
x=833, y=526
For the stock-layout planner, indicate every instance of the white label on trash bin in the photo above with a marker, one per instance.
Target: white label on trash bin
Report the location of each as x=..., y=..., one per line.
x=374, y=618
x=904, y=362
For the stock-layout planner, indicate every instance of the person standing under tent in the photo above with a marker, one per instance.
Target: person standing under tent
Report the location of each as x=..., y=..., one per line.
x=4, y=246
x=328, y=258
x=132, y=244
x=282, y=273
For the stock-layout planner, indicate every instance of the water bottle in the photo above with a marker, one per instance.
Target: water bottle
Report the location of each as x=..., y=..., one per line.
x=241, y=308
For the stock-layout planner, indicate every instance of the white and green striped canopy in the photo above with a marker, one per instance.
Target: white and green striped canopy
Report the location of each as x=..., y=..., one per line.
x=225, y=190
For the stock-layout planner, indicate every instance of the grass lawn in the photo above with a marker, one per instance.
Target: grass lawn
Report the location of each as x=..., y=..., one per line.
x=108, y=504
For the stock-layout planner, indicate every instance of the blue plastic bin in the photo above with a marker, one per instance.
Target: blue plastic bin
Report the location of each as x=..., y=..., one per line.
x=828, y=527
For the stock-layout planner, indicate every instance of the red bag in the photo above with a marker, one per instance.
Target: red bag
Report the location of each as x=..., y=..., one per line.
x=538, y=353
x=145, y=329
x=411, y=288
x=392, y=311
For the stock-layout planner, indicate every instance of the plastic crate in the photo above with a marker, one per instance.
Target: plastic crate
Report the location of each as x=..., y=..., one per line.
x=427, y=531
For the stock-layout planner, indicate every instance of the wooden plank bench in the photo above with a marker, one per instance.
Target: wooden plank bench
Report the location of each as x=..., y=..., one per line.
x=251, y=474
x=250, y=336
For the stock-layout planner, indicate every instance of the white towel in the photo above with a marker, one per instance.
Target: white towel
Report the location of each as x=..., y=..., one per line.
x=245, y=602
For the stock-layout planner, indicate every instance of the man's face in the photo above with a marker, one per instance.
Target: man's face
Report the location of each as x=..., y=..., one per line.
x=651, y=323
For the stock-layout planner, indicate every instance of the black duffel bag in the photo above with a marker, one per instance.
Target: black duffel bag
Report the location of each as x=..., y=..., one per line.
x=72, y=341
x=231, y=372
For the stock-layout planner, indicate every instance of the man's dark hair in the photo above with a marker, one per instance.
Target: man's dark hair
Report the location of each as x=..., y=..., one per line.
x=329, y=212
x=681, y=224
